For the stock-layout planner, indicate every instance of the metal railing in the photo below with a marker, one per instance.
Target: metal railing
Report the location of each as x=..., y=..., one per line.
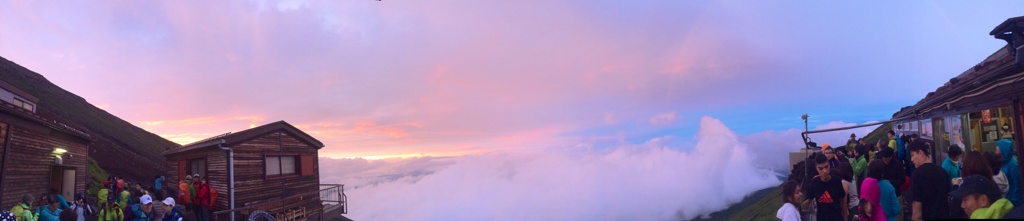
x=334, y=195
x=302, y=207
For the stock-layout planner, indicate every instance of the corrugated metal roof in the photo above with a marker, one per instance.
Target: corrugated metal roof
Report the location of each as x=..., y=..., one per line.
x=232, y=138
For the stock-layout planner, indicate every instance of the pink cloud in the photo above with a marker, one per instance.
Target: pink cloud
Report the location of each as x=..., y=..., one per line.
x=472, y=74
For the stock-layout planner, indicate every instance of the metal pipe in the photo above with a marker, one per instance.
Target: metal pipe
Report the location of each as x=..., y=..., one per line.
x=231, y=177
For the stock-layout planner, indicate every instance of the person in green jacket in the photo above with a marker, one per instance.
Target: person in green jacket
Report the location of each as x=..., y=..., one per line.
x=23, y=211
x=123, y=198
x=860, y=163
x=101, y=196
x=111, y=211
x=981, y=198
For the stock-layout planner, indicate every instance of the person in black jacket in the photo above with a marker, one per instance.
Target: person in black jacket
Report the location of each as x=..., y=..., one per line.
x=894, y=171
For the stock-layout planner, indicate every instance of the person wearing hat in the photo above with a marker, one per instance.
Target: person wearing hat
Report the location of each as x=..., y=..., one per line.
x=852, y=143
x=144, y=210
x=893, y=170
x=171, y=213
x=196, y=186
x=23, y=211
x=80, y=207
x=981, y=199
x=111, y=211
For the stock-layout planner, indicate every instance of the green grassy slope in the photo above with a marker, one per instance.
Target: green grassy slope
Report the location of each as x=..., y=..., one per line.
x=120, y=147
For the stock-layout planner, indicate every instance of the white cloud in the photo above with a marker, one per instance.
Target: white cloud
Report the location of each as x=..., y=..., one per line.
x=648, y=181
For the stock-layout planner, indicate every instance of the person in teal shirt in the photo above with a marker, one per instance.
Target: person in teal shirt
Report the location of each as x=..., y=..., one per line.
x=52, y=211
x=952, y=163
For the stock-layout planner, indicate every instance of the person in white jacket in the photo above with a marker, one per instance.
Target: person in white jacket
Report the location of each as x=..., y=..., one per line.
x=791, y=195
x=995, y=161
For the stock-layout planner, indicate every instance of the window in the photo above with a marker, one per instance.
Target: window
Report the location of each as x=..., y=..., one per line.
x=23, y=104
x=281, y=165
x=197, y=166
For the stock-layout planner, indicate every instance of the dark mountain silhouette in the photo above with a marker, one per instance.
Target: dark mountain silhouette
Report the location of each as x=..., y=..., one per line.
x=119, y=147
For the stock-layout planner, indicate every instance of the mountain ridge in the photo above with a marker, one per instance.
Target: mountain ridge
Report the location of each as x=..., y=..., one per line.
x=119, y=147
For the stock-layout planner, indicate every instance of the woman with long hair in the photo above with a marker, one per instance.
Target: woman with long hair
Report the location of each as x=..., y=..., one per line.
x=791, y=195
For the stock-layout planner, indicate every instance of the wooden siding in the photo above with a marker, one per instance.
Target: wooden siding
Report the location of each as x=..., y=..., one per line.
x=251, y=184
x=29, y=162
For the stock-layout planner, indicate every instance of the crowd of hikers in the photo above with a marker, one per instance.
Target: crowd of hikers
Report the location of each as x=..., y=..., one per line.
x=897, y=180
x=190, y=200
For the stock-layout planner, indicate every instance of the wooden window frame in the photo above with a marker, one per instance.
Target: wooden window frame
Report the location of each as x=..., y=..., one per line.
x=298, y=164
x=188, y=165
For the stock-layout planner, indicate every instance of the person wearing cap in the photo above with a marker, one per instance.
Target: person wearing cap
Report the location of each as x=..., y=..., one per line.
x=981, y=199
x=111, y=211
x=203, y=200
x=893, y=169
x=80, y=207
x=23, y=211
x=1011, y=169
x=929, y=183
x=850, y=144
x=171, y=213
x=144, y=210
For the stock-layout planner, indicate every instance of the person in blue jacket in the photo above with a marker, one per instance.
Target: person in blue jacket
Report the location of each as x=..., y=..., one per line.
x=52, y=210
x=144, y=210
x=1010, y=169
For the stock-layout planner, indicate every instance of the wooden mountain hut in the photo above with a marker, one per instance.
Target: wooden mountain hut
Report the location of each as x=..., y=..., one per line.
x=37, y=155
x=270, y=168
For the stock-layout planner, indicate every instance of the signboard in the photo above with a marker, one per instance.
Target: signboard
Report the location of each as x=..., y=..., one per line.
x=986, y=116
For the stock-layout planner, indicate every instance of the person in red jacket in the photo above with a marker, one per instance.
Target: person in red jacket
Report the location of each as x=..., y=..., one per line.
x=120, y=185
x=196, y=185
x=203, y=200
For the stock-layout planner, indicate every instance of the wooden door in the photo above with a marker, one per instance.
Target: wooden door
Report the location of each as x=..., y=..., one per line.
x=68, y=184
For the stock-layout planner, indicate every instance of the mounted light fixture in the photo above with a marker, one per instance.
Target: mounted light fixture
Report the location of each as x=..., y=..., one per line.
x=59, y=151
x=1006, y=126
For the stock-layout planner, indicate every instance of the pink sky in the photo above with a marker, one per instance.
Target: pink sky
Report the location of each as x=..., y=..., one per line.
x=441, y=78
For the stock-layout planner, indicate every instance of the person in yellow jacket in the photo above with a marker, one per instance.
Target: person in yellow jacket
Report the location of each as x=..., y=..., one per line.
x=23, y=211
x=981, y=198
x=101, y=196
x=111, y=211
x=123, y=198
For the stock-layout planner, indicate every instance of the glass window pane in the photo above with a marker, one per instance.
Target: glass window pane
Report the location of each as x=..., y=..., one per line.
x=288, y=165
x=273, y=165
